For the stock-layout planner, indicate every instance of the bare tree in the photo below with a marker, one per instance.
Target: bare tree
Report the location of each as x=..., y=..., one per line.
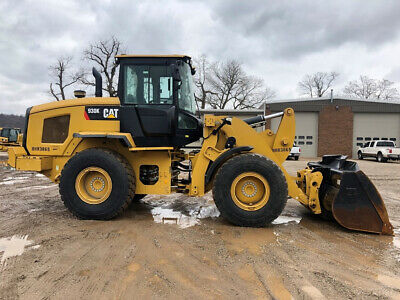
x=103, y=53
x=386, y=91
x=63, y=78
x=202, y=81
x=231, y=86
x=315, y=85
x=369, y=88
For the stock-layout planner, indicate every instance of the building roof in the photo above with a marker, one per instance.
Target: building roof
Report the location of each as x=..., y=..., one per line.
x=396, y=101
x=316, y=104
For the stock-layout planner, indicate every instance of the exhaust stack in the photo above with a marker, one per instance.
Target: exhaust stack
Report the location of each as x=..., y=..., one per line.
x=99, y=83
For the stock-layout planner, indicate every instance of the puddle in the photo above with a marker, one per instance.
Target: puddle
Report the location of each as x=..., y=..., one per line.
x=184, y=212
x=247, y=238
x=14, y=246
x=286, y=219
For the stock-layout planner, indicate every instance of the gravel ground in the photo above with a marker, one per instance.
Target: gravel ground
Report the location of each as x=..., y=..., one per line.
x=176, y=246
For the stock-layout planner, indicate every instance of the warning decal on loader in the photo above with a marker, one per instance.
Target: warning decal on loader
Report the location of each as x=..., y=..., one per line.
x=101, y=113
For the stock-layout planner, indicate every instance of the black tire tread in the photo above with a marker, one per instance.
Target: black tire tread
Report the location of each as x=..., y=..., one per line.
x=131, y=182
x=261, y=220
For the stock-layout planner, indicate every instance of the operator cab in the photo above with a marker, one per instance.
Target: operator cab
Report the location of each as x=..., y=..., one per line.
x=157, y=100
x=10, y=133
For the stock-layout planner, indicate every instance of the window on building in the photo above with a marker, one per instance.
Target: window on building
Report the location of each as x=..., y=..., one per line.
x=359, y=144
x=375, y=138
x=309, y=137
x=367, y=138
x=384, y=139
x=301, y=143
x=301, y=137
x=359, y=138
x=393, y=139
x=309, y=143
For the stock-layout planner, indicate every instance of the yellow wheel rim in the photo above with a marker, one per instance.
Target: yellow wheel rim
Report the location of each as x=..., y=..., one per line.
x=250, y=191
x=93, y=185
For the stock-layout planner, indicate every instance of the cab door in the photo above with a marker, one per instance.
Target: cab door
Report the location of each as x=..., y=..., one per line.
x=148, y=111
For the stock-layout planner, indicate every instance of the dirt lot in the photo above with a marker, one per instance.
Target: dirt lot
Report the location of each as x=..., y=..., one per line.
x=47, y=253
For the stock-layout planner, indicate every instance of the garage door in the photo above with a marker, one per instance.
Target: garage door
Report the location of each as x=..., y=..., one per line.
x=375, y=126
x=306, y=132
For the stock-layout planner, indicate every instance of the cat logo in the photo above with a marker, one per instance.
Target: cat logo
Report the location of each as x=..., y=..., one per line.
x=101, y=113
x=110, y=113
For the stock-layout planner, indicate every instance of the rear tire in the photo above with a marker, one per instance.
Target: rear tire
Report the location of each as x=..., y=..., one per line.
x=380, y=158
x=257, y=174
x=87, y=174
x=360, y=155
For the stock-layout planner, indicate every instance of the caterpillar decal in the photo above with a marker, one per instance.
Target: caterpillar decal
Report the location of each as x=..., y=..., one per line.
x=101, y=113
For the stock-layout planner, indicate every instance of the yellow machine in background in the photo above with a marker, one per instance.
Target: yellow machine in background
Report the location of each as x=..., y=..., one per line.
x=9, y=137
x=106, y=152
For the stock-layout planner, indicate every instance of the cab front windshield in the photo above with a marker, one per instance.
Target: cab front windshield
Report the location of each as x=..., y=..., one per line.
x=186, y=91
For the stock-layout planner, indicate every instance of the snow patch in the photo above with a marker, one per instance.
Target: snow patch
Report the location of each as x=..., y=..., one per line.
x=14, y=246
x=286, y=219
x=37, y=187
x=13, y=181
x=185, y=214
x=169, y=216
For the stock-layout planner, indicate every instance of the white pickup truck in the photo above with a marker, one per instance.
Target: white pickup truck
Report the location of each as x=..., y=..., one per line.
x=294, y=152
x=381, y=150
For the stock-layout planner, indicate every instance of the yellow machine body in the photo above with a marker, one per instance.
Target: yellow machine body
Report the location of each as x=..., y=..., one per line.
x=50, y=158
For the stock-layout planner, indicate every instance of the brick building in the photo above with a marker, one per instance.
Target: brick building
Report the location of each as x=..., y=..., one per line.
x=339, y=125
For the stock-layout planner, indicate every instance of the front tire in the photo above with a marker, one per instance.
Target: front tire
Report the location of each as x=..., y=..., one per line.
x=360, y=155
x=97, y=184
x=250, y=190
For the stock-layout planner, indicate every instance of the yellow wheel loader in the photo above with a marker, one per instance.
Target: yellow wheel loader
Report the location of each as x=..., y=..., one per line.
x=107, y=151
x=9, y=137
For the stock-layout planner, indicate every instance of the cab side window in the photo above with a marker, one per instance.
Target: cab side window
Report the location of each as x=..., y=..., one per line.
x=148, y=85
x=13, y=135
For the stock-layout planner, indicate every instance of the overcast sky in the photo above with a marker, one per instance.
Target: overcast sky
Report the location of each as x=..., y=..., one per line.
x=279, y=41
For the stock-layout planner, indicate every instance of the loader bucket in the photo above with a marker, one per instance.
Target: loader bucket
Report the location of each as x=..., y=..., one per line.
x=350, y=196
